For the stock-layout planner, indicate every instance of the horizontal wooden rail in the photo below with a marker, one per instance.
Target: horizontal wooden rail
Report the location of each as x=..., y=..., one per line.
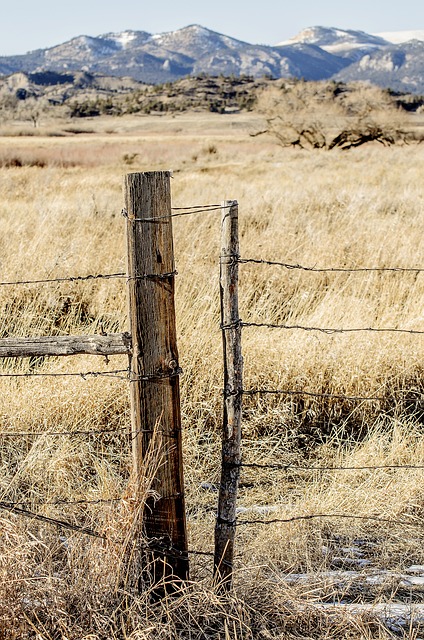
x=98, y=345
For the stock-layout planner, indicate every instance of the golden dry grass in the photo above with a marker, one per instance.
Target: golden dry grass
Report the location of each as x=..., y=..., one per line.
x=60, y=216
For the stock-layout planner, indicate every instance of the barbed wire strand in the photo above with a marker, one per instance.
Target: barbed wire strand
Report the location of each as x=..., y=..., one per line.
x=84, y=375
x=54, y=521
x=98, y=276
x=313, y=516
x=61, y=502
x=200, y=209
x=108, y=374
x=36, y=434
x=328, y=331
x=197, y=206
x=252, y=392
x=145, y=276
x=151, y=546
x=330, y=269
x=297, y=467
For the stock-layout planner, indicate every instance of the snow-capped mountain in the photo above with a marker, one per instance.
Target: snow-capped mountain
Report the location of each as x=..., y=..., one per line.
x=400, y=67
x=340, y=42
x=316, y=53
x=167, y=56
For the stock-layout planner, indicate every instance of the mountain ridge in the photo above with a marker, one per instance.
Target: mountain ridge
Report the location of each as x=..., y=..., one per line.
x=316, y=53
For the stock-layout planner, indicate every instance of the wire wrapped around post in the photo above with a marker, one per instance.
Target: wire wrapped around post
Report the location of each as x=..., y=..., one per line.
x=233, y=395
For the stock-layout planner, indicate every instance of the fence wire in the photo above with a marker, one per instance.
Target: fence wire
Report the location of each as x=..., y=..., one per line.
x=330, y=269
x=311, y=394
x=154, y=545
x=19, y=508
x=82, y=374
x=314, y=516
x=326, y=330
x=98, y=276
x=297, y=467
x=182, y=211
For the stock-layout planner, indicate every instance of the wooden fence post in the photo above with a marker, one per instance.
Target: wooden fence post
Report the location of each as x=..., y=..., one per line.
x=233, y=387
x=155, y=394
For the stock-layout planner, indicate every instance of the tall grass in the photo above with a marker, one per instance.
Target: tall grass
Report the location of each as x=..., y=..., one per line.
x=362, y=208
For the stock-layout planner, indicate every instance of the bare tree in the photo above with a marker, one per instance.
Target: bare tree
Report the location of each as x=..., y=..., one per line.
x=318, y=115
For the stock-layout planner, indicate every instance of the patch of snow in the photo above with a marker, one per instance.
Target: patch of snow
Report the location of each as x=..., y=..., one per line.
x=395, y=616
x=208, y=486
x=341, y=47
x=262, y=510
x=399, y=37
x=123, y=38
x=412, y=581
x=415, y=568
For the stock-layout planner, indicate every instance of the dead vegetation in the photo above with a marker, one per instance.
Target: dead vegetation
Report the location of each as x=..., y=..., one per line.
x=318, y=115
x=309, y=209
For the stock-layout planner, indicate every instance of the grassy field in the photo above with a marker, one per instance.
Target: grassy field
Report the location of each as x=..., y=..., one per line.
x=60, y=215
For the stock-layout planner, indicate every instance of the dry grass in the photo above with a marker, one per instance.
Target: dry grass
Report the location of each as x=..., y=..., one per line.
x=362, y=208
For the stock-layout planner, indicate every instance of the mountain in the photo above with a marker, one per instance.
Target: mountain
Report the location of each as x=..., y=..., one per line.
x=165, y=57
x=343, y=43
x=400, y=67
x=317, y=53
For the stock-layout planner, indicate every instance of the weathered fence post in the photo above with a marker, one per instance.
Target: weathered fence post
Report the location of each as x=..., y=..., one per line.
x=155, y=395
x=233, y=387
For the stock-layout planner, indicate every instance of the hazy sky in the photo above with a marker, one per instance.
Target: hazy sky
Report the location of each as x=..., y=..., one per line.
x=32, y=24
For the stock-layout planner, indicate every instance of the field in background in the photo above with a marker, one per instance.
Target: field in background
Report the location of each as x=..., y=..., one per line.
x=60, y=215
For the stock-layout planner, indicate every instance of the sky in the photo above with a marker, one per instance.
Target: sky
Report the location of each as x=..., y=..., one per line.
x=31, y=24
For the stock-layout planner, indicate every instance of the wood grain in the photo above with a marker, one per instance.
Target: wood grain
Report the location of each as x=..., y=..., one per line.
x=155, y=405
x=101, y=345
x=233, y=385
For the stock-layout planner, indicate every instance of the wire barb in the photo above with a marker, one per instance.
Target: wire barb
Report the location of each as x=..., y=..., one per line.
x=154, y=276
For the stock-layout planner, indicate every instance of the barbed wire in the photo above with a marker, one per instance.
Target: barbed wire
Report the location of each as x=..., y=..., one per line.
x=335, y=396
x=61, y=502
x=197, y=206
x=84, y=374
x=153, y=545
x=54, y=521
x=183, y=211
x=98, y=276
x=36, y=434
x=144, y=276
x=330, y=269
x=130, y=377
x=313, y=516
x=328, y=331
x=297, y=467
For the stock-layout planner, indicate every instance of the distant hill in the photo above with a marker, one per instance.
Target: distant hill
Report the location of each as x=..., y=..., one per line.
x=400, y=67
x=316, y=53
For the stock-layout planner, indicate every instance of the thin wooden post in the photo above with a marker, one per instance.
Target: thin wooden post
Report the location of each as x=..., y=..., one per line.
x=233, y=386
x=155, y=394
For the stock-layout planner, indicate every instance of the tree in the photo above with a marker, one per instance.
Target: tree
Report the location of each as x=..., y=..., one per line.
x=319, y=115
